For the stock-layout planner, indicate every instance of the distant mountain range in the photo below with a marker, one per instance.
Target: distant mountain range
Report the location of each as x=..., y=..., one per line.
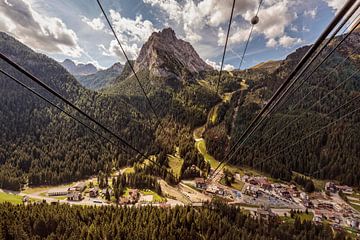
x=102, y=78
x=78, y=69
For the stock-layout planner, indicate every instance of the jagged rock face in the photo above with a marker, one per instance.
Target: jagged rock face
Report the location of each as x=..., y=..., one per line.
x=164, y=55
x=78, y=69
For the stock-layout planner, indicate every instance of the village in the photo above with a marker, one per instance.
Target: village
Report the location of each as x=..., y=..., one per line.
x=258, y=195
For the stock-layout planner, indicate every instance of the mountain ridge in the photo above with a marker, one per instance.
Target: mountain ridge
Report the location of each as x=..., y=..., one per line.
x=102, y=78
x=80, y=69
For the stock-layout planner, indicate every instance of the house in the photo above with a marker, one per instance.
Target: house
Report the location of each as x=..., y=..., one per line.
x=220, y=191
x=325, y=205
x=212, y=189
x=264, y=184
x=237, y=193
x=200, y=183
x=94, y=192
x=252, y=191
x=74, y=196
x=80, y=186
x=25, y=199
x=285, y=193
x=134, y=195
x=124, y=200
x=307, y=203
x=294, y=193
x=330, y=186
x=57, y=193
x=318, y=216
x=253, y=181
x=351, y=222
x=245, y=178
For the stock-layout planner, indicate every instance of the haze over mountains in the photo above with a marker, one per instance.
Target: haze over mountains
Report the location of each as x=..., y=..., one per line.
x=181, y=87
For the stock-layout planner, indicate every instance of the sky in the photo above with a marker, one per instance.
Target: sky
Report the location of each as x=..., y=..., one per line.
x=77, y=30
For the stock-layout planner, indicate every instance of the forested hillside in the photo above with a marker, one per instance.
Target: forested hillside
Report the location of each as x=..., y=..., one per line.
x=39, y=145
x=332, y=153
x=217, y=222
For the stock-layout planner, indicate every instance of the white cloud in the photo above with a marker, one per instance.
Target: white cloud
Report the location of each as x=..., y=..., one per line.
x=305, y=29
x=131, y=33
x=274, y=19
x=310, y=13
x=228, y=67
x=217, y=66
x=271, y=43
x=193, y=17
x=171, y=7
x=335, y=4
x=287, y=41
x=131, y=50
x=46, y=34
x=96, y=23
x=293, y=28
x=136, y=30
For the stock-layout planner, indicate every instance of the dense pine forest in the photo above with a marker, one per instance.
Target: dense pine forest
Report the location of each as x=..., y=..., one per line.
x=218, y=221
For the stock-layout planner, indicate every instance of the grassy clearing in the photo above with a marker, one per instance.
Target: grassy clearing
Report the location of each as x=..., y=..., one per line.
x=306, y=217
x=238, y=185
x=11, y=198
x=60, y=197
x=303, y=217
x=126, y=192
x=175, y=164
x=31, y=190
x=156, y=197
x=214, y=114
x=227, y=97
x=319, y=184
x=201, y=147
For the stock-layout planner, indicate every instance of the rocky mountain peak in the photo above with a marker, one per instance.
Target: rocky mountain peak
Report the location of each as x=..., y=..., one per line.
x=165, y=55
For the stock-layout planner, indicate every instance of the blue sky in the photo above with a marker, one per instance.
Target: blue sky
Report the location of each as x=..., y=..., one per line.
x=77, y=30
